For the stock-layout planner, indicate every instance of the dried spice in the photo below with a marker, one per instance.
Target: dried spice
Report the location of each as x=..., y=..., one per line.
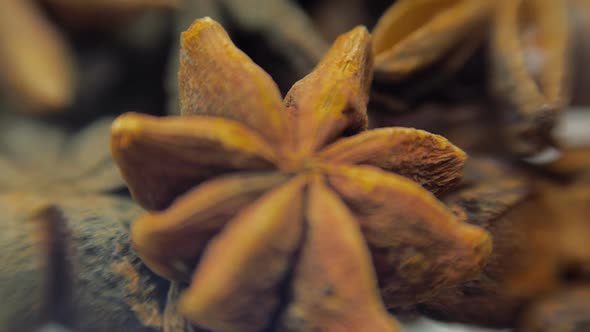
x=529, y=47
x=419, y=45
x=38, y=69
x=539, y=223
x=292, y=45
x=500, y=205
x=528, y=51
x=65, y=235
x=414, y=34
x=566, y=311
x=286, y=213
x=42, y=79
x=74, y=266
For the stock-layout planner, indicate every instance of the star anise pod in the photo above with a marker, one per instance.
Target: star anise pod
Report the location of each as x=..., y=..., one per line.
x=539, y=221
x=38, y=68
x=528, y=53
x=496, y=197
x=287, y=209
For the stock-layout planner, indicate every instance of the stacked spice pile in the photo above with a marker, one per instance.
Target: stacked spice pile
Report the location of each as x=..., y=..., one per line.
x=324, y=210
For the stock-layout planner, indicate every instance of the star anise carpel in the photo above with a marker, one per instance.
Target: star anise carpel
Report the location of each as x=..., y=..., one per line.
x=538, y=218
x=273, y=209
x=528, y=51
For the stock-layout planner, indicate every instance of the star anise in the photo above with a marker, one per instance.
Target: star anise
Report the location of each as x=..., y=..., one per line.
x=37, y=64
x=286, y=213
x=528, y=52
x=539, y=221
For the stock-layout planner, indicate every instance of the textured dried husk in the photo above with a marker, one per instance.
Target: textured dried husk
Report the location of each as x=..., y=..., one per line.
x=540, y=230
x=404, y=234
x=82, y=274
x=321, y=285
x=567, y=310
x=291, y=44
x=515, y=274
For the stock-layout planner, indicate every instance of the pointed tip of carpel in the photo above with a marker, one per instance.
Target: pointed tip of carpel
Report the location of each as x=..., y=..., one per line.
x=197, y=27
x=124, y=128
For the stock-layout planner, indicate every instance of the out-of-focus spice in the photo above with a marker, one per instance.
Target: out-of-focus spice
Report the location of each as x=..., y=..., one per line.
x=64, y=235
x=539, y=221
x=36, y=63
x=414, y=34
x=38, y=68
x=277, y=34
x=565, y=311
x=39, y=158
x=73, y=265
x=529, y=57
x=424, y=42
